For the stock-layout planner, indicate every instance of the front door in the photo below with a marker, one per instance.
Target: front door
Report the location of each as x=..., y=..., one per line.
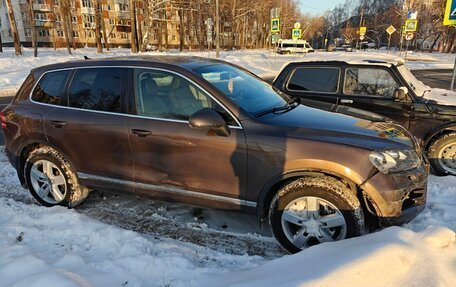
x=174, y=161
x=372, y=89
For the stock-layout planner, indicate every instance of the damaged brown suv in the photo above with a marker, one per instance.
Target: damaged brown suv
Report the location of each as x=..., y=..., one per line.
x=210, y=133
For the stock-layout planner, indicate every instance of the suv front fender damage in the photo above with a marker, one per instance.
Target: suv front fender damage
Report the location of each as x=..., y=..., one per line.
x=396, y=198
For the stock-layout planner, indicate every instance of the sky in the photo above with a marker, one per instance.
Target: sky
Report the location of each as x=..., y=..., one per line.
x=317, y=7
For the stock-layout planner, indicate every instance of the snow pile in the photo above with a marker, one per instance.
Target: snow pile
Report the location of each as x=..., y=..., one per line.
x=392, y=257
x=60, y=247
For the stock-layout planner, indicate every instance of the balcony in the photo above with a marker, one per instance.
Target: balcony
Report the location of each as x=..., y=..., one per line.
x=43, y=23
x=88, y=10
x=123, y=14
x=42, y=7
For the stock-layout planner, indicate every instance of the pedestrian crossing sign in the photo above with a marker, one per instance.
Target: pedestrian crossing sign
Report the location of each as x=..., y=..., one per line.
x=275, y=25
x=450, y=13
x=296, y=34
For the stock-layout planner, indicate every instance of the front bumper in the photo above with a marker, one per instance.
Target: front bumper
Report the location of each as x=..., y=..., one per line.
x=397, y=198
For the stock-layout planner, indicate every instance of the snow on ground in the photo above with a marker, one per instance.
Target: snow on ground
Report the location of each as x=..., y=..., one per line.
x=88, y=247
x=13, y=70
x=116, y=240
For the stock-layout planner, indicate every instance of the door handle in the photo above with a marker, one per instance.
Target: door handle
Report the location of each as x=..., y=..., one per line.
x=345, y=101
x=58, y=124
x=141, y=133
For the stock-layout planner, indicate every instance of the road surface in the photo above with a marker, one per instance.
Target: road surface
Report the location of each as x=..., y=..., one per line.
x=433, y=78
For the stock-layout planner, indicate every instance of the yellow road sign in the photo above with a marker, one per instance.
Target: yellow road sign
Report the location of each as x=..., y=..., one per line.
x=275, y=25
x=362, y=31
x=296, y=34
x=390, y=30
x=450, y=13
x=411, y=25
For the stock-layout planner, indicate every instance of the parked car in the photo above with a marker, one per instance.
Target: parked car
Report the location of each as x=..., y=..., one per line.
x=386, y=87
x=206, y=132
x=285, y=46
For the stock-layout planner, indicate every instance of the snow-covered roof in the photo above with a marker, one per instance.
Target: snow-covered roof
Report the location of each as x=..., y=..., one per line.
x=352, y=58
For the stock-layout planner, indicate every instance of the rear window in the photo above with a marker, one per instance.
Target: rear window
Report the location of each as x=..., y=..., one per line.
x=96, y=89
x=50, y=88
x=314, y=79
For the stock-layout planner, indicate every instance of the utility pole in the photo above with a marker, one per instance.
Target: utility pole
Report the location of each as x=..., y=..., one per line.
x=217, y=29
x=360, y=24
x=17, y=44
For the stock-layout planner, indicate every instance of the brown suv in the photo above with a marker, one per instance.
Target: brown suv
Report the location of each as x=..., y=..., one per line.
x=207, y=132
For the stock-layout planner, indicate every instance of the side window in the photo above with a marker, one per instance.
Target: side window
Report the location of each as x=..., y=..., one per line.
x=166, y=95
x=49, y=89
x=369, y=82
x=96, y=89
x=314, y=79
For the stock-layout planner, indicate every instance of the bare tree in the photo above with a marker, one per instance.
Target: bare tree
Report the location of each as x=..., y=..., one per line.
x=133, y=35
x=33, y=28
x=64, y=9
x=105, y=35
x=98, y=26
x=12, y=19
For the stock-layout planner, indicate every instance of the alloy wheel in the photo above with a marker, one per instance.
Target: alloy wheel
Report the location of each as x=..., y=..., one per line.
x=48, y=181
x=307, y=221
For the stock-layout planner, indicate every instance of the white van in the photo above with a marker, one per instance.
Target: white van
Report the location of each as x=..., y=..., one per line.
x=293, y=46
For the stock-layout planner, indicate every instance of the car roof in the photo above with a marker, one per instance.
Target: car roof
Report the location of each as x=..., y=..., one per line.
x=170, y=61
x=353, y=58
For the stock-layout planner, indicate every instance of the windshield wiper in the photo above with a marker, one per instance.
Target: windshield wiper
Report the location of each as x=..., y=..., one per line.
x=293, y=103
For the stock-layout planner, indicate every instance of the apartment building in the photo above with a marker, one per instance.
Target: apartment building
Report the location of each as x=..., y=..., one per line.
x=48, y=21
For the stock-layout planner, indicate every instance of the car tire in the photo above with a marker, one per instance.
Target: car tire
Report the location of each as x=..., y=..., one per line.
x=442, y=155
x=336, y=213
x=51, y=180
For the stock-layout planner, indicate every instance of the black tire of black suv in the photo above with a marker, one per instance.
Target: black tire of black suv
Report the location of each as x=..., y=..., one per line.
x=434, y=150
x=75, y=193
x=326, y=188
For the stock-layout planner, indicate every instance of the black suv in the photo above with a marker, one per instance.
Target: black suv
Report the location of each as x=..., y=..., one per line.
x=206, y=132
x=384, y=87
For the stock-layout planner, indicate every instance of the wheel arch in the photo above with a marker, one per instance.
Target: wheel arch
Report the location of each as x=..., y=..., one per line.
x=439, y=131
x=24, y=150
x=279, y=181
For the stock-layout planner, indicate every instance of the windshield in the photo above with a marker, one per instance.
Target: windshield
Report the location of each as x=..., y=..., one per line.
x=247, y=91
x=418, y=87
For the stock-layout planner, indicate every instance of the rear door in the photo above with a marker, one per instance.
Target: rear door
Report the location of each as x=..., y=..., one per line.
x=89, y=128
x=371, y=88
x=313, y=84
x=173, y=160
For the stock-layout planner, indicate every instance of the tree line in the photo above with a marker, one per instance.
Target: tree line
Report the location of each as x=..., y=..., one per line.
x=243, y=24
x=345, y=19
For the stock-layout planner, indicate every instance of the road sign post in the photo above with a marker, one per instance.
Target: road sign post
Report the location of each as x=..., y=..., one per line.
x=450, y=19
x=454, y=75
x=390, y=30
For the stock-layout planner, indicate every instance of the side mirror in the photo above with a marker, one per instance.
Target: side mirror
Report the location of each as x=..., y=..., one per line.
x=400, y=94
x=210, y=120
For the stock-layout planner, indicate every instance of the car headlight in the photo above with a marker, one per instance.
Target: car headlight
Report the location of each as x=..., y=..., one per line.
x=392, y=161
